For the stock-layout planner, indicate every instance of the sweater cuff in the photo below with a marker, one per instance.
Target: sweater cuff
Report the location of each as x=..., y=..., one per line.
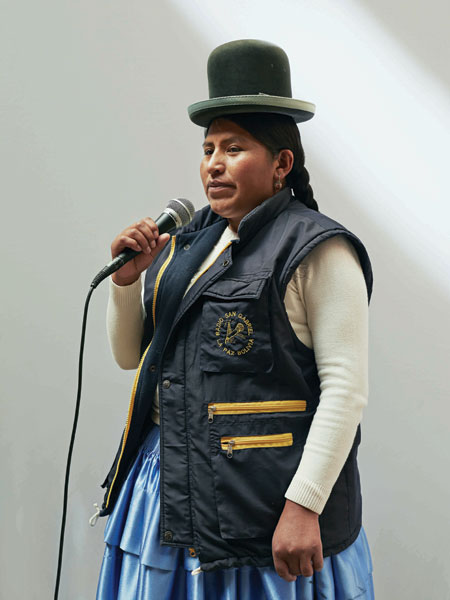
x=125, y=296
x=308, y=494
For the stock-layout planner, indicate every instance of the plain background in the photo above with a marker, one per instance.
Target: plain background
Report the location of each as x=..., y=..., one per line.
x=95, y=135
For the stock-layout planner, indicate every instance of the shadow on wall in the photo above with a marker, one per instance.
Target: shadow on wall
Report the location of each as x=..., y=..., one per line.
x=408, y=404
x=422, y=28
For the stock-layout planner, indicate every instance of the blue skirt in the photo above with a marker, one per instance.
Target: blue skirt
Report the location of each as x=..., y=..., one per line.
x=136, y=567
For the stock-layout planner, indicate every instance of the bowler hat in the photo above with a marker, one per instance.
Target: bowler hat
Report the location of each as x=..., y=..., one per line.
x=247, y=76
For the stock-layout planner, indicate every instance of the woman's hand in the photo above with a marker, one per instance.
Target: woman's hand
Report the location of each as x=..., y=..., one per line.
x=144, y=237
x=296, y=543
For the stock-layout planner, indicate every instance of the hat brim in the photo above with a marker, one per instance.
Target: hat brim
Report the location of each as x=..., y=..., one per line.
x=202, y=113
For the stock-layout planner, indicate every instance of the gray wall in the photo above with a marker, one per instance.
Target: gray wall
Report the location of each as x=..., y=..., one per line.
x=95, y=135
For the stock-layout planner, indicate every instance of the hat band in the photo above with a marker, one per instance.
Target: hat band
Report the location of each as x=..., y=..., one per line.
x=253, y=100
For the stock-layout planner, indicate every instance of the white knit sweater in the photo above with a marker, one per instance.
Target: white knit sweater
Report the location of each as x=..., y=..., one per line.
x=326, y=302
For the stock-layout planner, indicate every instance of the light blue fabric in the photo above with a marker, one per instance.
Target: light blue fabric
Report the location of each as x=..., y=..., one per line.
x=136, y=567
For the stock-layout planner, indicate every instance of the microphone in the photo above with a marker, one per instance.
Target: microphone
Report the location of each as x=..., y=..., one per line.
x=178, y=213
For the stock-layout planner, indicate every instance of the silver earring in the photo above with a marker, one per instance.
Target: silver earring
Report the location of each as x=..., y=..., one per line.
x=278, y=184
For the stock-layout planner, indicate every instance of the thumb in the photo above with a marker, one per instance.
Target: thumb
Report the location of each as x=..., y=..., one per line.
x=161, y=242
x=163, y=239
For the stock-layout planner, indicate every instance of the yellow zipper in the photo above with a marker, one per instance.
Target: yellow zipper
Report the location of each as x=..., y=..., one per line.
x=269, y=406
x=138, y=372
x=231, y=442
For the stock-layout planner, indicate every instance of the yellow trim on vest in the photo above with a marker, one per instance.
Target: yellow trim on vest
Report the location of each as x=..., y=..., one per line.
x=242, y=442
x=138, y=372
x=269, y=406
x=210, y=265
x=158, y=279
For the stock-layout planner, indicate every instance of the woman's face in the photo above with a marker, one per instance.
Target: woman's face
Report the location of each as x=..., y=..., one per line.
x=237, y=171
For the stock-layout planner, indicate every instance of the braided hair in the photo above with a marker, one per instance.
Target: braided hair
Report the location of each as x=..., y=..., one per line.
x=276, y=132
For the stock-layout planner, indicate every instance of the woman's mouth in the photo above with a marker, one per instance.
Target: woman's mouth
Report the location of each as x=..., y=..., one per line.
x=219, y=189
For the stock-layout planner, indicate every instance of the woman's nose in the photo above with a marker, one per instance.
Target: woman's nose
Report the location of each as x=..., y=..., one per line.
x=216, y=163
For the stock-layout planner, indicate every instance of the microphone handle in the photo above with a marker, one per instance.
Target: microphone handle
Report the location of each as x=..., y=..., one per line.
x=165, y=224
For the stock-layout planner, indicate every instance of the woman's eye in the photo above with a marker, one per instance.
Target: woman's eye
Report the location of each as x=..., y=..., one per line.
x=209, y=151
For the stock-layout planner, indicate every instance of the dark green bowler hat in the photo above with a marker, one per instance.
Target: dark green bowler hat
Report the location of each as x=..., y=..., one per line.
x=248, y=76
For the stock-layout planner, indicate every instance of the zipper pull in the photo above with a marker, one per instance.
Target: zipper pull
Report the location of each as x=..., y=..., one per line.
x=230, y=448
x=196, y=571
x=93, y=520
x=211, y=410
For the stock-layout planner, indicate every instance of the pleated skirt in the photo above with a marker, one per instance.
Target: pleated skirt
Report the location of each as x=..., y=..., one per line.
x=137, y=567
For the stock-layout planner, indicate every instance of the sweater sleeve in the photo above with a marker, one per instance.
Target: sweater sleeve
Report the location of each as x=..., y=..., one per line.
x=326, y=301
x=125, y=315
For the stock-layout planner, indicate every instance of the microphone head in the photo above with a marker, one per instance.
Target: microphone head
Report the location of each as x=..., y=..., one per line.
x=182, y=210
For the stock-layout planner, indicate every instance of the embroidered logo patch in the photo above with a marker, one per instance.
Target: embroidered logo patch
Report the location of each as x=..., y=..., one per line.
x=234, y=334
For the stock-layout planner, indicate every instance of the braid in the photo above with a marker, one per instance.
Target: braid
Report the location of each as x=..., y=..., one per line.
x=298, y=180
x=277, y=132
x=298, y=177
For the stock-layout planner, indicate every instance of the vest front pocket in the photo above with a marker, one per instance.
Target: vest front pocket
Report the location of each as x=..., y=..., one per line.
x=254, y=458
x=236, y=326
x=244, y=442
x=255, y=407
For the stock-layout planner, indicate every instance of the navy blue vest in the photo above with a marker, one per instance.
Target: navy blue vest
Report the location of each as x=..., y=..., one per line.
x=237, y=389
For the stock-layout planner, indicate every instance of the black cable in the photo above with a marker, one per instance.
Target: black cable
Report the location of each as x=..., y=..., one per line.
x=72, y=439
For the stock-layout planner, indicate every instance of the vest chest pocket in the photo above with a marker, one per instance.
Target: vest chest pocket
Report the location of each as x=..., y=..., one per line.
x=255, y=451
x=236, y=326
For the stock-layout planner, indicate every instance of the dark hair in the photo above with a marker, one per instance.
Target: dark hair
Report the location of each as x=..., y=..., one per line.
x=277, y=132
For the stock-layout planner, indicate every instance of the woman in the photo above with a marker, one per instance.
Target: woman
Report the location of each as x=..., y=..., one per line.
x=259, y=300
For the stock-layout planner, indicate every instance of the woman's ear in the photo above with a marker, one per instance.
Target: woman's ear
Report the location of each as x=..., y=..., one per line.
x=285, y=162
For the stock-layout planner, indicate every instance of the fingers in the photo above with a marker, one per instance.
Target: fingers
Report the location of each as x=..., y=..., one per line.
x=297, y=563
x=132, y=241
x=306, y=568
x=293, y=567
x=145, y=233
x=282, y=569
x=300, y=565
x=317, y=560
x=149, y=229
x=142, y=236
x=308, y=562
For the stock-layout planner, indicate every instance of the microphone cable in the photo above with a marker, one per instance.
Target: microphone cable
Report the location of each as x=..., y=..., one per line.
x=179, y=212
x=72, y=440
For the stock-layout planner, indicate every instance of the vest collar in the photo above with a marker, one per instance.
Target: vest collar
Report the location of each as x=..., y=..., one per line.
x=263, y=213
x=251, y=223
